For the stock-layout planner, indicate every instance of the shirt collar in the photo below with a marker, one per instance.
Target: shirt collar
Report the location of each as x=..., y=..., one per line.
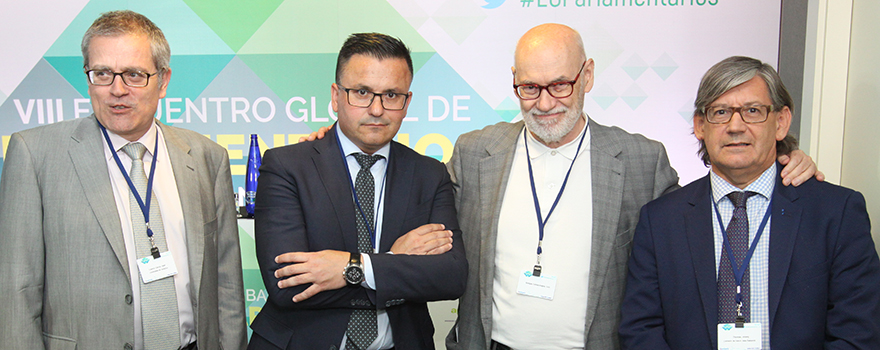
x=349, y=148
x=763, y=185
x=148, y=140
x=568, y=150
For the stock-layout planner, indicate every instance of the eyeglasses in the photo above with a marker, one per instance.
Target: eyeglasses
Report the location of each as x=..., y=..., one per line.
x=559, y=89
x=392, y=101
x=750, y=114
x=133, y=78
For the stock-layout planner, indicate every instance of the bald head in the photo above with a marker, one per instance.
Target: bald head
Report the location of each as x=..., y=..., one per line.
x=549, y=43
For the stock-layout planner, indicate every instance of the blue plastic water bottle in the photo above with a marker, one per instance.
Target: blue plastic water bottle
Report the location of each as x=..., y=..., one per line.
x=253, y=172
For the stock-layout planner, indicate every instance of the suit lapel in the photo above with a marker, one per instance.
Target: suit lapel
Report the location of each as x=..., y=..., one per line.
x=397, y=185
x=494, y=172
x=187, y=180
x=330, y=168
x=701, y=245
x=86, y=152
x=784, y=224
x=606, y=177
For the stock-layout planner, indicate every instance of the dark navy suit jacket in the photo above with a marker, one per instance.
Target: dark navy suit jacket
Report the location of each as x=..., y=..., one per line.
x=304, y=203
x=824, y=273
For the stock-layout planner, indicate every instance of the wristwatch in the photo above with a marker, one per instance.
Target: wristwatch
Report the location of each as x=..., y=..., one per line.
x=354, y=271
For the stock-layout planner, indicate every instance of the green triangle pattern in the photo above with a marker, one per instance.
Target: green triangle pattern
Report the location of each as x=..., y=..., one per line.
x=71, y=69
x=191, y=74
x=508, y=109
x=184, y=30
x=418, y=60
x=319, y=20
x=300, y=75
x=232, y=20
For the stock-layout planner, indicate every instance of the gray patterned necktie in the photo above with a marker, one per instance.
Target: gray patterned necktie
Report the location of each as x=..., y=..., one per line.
x=159, y=314
x=362, y=326
x=738, y=236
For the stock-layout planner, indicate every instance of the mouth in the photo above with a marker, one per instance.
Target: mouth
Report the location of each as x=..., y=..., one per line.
x=535, y=112
x=119, y=107
x=737, y=145
x=373, y=125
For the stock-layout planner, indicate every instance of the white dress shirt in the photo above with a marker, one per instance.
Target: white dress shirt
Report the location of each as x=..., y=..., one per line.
x=385, y=339
x=526, y=322
x=165, y=191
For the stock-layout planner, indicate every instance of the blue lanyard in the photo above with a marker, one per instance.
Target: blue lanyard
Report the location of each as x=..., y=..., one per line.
x=357, y=202
x=543, y=221
x=144, y=204
x=739, y=271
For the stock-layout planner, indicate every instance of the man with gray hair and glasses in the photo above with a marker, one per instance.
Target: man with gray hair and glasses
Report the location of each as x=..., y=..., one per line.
x=736, y=260
x=118, y=231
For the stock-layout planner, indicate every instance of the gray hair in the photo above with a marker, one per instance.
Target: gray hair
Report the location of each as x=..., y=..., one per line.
x=126, y=22
x=732, y=72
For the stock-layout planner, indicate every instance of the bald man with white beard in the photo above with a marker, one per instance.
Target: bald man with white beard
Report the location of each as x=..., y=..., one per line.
x=556, y=285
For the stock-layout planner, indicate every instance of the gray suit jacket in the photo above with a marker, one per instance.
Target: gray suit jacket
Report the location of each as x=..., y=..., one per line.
x=627, y=171
x=63, y=265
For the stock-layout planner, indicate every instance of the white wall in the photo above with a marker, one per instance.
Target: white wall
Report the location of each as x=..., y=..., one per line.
x=860, y=168
x=841, y=92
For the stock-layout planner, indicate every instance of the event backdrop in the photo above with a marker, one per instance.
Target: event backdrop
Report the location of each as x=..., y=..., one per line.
x=265, y=67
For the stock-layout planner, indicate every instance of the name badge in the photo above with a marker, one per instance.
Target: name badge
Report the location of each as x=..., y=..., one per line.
x=746, y=338
x=536, y=286
x=156, y=269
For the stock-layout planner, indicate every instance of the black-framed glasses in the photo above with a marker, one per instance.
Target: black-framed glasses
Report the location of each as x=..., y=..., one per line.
x=391, y=101
x=133, y=78
x=559, y=89
x=752, y=114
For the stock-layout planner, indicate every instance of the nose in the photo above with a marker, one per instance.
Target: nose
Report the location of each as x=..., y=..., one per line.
x=545, y=101
x=375, y=108
x=736, y=123
x=117, y=87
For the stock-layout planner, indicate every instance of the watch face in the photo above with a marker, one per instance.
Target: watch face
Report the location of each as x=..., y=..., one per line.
x=354, y=275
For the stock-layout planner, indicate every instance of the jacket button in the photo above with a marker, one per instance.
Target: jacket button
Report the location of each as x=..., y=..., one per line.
x=128, y=346
x=128, y=299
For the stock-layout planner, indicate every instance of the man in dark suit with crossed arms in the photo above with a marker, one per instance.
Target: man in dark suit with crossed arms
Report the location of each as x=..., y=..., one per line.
x=329, y=213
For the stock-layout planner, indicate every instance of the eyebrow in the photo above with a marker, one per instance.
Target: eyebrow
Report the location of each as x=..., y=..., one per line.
x=749, y=103
x=560, y=79
x=364, y=87
x=125, y=69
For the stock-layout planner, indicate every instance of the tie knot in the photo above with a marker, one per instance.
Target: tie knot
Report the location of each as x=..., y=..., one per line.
x=366, y=161
x=739, y=198
x=135, y=150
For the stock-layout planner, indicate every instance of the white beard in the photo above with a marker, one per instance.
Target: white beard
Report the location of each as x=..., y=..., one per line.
x=551, y=131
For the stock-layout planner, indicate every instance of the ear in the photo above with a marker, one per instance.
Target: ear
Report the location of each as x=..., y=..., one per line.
x=587, y=75
x=334, y=99
x=783, y=123
x=163, y=84
x=699, y=123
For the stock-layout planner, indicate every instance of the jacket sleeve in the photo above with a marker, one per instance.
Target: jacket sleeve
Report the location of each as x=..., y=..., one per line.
x=853, y=319
x=230, y=287
x=642, y=324
x=423, y=278
x=22, y=257
x=280, y=227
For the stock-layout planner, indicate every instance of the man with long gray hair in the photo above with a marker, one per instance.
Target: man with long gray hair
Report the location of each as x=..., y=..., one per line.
x=736, y=260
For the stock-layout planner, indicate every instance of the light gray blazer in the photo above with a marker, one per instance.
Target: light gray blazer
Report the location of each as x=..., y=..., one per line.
x=628, y=171
x=64, y=276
